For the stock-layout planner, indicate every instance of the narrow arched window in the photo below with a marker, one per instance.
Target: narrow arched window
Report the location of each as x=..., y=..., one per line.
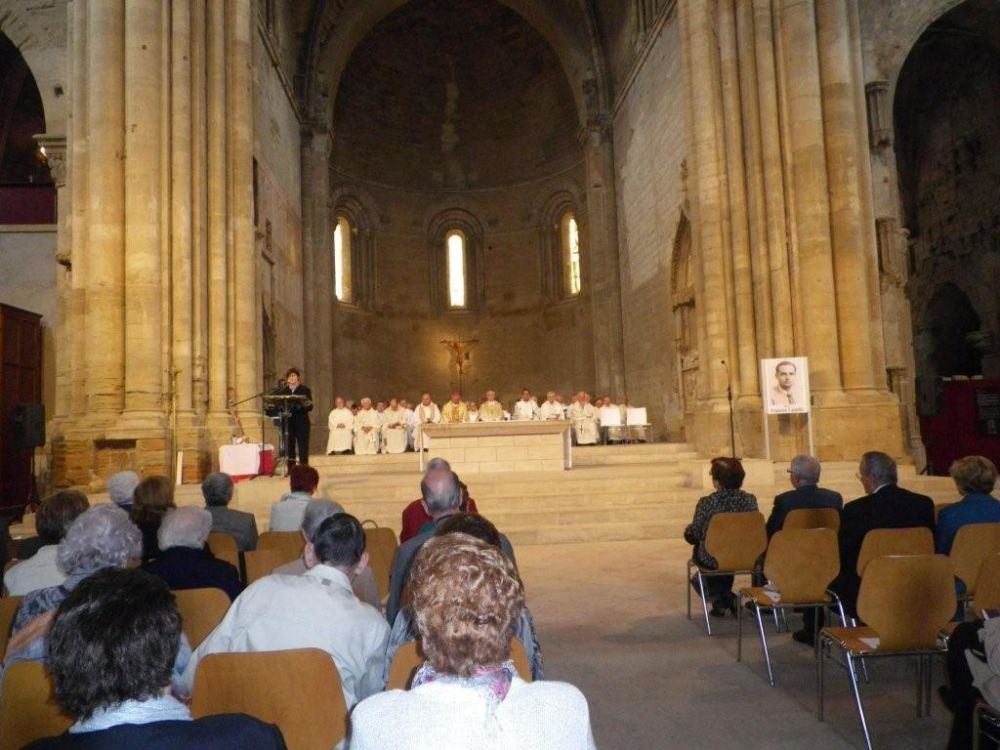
x=342, y=260
x=455, y=242
x=570, y=237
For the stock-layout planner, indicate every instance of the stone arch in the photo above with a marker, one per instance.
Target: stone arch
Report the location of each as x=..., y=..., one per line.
x=550, y=216
x=438, y=229
x=358, y=207
x=683, y=301
x=35, y=42
x=949, y=334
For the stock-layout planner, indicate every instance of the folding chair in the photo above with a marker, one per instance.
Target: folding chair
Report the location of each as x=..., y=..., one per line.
x=381, y=544
x=201, y=611
x=736, y=541
x=8, y=611
x=906, y=600
x=288, y=543
x=410, y=657
x=800, y=564
x=27, y=710
x=910, y=540
x=813, y=518
x=223, y=546
x=987, y=594
x=298, y=690
x=261, y=562
x=973, y=544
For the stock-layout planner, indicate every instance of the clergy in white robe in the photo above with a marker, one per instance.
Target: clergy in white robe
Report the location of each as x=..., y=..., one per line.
x=366, y=429
x=404, y=404
x=427, y=412
x=455, y=410
x=491, y=410
x=341, y=423
x=525, y=408
x=551, y=409
x=472, y=412
x=395, y=425
x=584, y=418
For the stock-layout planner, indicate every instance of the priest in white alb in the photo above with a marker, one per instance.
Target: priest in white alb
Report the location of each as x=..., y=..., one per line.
x=525, y=408
x=491, y=410
x=455, y=410
x=427, y=412
x=551, y=409
x=395, y=424
x=584, y=418
x=341, y=423
x=366, y=429
x=404, y=404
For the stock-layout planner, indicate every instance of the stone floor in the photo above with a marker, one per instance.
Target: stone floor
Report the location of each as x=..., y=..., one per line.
x=611, y=620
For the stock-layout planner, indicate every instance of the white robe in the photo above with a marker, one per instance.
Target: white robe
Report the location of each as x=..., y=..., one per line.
x=341, y=438
x=366, y=443
x=423, y=415
x=584, y=423
x=526, y=410
x=394, y=430
x=552, y=410
x=491, y=411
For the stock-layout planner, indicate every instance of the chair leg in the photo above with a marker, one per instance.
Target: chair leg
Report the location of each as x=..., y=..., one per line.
x=704, y=601
x=920, y=686
x=688, y=579
x=820, y=657
x=739, y=627
x=763, y=645
x=852, y=673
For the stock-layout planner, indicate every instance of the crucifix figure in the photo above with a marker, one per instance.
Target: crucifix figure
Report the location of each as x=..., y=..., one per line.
x=460, y=354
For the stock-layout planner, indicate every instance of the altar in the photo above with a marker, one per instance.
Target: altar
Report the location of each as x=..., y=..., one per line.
x=499, y=447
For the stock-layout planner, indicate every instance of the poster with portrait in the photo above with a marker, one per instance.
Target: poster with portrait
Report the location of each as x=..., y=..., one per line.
x=785, y=385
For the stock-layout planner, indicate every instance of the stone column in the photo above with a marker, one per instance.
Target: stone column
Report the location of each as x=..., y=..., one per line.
x=216, y=202
x=76, y=312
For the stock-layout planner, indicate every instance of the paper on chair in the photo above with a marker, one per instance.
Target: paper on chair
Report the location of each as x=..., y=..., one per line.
x=871, y=643
x=774, y=596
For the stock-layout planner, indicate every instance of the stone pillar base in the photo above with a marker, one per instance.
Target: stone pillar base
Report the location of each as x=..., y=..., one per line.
x=87, y=456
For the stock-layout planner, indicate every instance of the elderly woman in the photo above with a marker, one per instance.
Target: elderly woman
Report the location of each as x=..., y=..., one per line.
x=152, y=498
x=466, y=599
x=55, y=515
x=975, y=477
x=727, y=478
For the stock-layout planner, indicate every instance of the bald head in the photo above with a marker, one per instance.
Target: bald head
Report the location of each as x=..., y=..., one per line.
x=804, y=470
x=441, y=492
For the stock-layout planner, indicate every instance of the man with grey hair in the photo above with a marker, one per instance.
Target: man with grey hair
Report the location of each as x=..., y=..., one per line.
x=121, y=487
x=803, y=473
x=442, y=496
x=217, y=490
x=184, y=562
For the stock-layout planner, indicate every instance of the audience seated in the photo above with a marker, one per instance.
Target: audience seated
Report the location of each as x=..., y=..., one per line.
x=727, y=478
x=184, y=562
x=55, y=515
x=286, y=514
x=975, y=477
x=803, y=473
x=314, y=610
x=111, y=647
x=152, y=498
x=403, y=630
x=973, y=674
x=121, y=488
x=217, y=490
x=442, y=495
x=466, y=598
x=317, y=511
x=416, y=519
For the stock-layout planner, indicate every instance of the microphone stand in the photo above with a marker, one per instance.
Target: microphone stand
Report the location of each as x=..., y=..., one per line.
x=732, y=418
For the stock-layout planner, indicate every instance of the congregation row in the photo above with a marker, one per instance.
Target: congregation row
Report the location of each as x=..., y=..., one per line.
x=453, y=587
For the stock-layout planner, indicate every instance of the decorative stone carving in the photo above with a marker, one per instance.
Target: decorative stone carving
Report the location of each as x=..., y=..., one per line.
x=879, y=115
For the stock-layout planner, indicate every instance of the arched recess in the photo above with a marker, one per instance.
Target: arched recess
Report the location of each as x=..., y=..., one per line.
x=550, y=228
x=683, y=302
x=359, y=210
x=950, y=335
x=440, y=227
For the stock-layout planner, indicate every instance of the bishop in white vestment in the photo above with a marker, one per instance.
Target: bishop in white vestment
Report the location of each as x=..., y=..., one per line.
x=584, y=419
x=341, y=423
x=427, y=412
x=551, y=409
x=395, y=425
x=367, y=434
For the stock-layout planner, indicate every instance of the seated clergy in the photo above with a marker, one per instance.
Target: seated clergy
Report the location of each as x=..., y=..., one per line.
x=218, y=491
x=112, y=645
x=472, y=411
x=341, y=424
x=367, y=432
x=184, y=562
x=286, y=514
x=490, y=410
x=394, y=427
x=455, y=410
x=404, y=405
x=551, y=408
x=427, y=412
x=584, y=418
x=317, y=609
x=525, y=407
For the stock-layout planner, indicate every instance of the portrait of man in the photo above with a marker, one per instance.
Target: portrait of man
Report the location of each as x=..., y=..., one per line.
x=785, y=385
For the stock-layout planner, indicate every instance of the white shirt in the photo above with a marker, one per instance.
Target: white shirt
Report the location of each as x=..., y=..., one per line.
x=314, y=610
x=37, y=572
x=537, y=716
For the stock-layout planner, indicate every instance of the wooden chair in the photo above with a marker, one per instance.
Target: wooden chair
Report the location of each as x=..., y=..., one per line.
x=911, y=540
x=813, y=518
x=261, y=562
x=410, y=657
x=27, y=710
x=973, y=544
x=298, y=690
x=381, y=544
x=8, y=611
x=223, y=546
x=288, y=544
x=201, y=611
x=736, y=541
x=987, y=585
x=938, y=507
x=906, y=600
x=800, y=564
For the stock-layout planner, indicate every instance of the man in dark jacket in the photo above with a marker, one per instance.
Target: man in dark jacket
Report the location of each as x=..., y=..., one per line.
x=804, y=475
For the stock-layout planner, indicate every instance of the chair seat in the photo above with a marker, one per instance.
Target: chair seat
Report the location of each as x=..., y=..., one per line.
x=850, y=639
x=762, y=597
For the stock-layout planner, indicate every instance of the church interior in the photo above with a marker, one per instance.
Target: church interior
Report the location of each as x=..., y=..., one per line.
x=646, y=200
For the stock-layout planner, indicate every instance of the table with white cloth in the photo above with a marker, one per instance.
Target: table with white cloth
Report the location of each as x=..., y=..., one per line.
x=500, y=447
x=243, y=459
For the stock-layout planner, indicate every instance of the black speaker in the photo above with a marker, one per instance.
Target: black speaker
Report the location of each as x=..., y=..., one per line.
x=29, y=426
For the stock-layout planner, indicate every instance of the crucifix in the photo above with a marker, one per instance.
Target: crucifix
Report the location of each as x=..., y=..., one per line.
x=460, y=354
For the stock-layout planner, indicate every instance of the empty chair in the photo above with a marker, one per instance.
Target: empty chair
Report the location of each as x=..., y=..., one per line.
x=973, y=544
x=298, y=690
x=8, y=611
x=987, y=595
x=813, y=518
x=410, y=657
x=287, y=543
x=381, y=544
x=201, y=610
x=27, y=709
x=800, y=564
x=223, y=546
x=906, y=600
x=912, y=540
x=261, y=562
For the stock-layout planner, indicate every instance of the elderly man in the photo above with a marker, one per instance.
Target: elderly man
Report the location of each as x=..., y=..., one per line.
x=404, y=405
x=317, y=609
x=121, y=488
x=454, y=411
x=111, y=648
x=491, y=410
x=286, y=514
x=217, y=489
x=415, y=516
x=803, y=473
x=551, y=409
x=55, y=515
x=184, y=562
x=584, y=418
x=341, y=424
x=442, y=497
x=427, y=412
x=525, y=408
x=394, y=428
x=367, y=429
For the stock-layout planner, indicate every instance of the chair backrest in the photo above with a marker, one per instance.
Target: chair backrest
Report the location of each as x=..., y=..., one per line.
x=298, y=690
x=381, y=544
x=610, y=416
x=261, y=562
x=288, y=543
x=636, y=415
x=223, y=546
x=8, y=611
x=911, y=540
x=988, y=584
x=938, y=507
x=27, y=710
x=802, y=562
x=736, y=540
x=201, y=610
x=907, y=599
x=410, y=656
x=812, y=518
x=972, y=544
